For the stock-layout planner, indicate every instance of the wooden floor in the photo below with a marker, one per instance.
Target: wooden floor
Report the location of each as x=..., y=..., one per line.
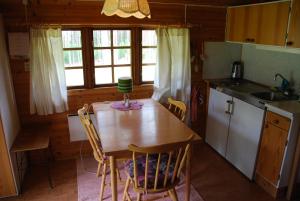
x=212, y=176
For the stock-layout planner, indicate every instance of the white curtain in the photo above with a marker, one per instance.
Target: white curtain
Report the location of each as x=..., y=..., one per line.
x=48, y=86
x=173, y=72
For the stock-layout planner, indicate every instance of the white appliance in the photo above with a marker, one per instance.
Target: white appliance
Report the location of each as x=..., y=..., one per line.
x=233, y=130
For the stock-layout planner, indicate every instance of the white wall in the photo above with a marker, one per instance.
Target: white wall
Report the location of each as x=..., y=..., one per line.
x=261, y=65
x=8, y=109
x=219, y=57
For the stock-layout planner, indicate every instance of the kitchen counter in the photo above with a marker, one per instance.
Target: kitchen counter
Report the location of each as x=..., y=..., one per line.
x=244, y=88
x=288, y=109
x=241, y=90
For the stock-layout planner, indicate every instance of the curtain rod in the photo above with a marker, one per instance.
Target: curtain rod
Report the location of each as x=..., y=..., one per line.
x=178, y=4
x=61, y=25
x=187, y=4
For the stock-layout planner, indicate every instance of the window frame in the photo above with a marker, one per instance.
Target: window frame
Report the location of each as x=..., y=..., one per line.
x=141, y=56
x=87, y=48
x=83, y=59
x=111, y=48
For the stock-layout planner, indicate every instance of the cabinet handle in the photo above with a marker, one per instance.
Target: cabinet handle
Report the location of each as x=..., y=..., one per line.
x=252, y=40
x=276, y=121
x=229, y=107
x=266, y=126
x=289, y=43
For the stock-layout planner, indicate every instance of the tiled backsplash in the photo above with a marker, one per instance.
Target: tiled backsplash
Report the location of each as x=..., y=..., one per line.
x=260, y=64
x=219, y=57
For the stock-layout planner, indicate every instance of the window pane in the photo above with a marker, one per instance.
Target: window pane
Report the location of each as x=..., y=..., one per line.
x=148, y=73
x=149, y=38
x=71, y=39
x=103, y=75
x=121, y=38
x=102, y=57
x=122, y=56
x=149, y=55
x=72, y=58
x=101, y=38
x=121, y=72
x=74, y=77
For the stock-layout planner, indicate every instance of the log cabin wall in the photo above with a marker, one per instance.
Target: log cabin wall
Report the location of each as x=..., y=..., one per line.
x=208, y=24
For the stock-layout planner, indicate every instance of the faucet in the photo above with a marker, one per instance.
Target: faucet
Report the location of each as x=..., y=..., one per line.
x=279, y=75
x=284, y=84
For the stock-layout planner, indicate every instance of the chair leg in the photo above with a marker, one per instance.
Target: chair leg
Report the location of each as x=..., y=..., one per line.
x=99, y=169
x=118, y=174
x=173, y=194
x=138, y=197
x=125, y=194
x=103, y=181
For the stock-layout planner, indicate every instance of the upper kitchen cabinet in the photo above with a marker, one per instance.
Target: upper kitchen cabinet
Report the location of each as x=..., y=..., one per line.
x=242, y=23
x=261, y=23
x=294, y=27
x=273, y=23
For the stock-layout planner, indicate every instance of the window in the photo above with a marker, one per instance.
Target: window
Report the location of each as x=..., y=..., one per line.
x=149, y=53
x=112, y=55
x=73, y=58
x=95, y=57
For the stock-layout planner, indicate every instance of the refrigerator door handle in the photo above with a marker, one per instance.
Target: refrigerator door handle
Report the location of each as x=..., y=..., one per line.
x=228, y=107
x=231, y=107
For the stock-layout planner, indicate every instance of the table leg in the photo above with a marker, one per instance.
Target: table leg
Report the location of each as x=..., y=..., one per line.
x=48, y=168
x=188, y=175
x=19, y=172
x=113, y=176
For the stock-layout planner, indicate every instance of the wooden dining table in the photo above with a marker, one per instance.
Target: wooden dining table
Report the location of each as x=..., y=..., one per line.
x=152, y=125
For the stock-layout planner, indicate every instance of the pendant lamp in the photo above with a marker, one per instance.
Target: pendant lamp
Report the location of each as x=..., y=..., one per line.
x=126, y=8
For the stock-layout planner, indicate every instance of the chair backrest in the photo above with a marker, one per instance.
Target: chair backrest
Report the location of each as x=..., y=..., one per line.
x=157, y=168
x=178, y=108
x=91, y=132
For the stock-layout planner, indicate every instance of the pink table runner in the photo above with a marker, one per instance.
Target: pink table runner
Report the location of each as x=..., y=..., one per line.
x=133, y=105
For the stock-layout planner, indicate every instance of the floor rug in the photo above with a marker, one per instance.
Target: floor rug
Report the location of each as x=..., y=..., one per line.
x=89, y=185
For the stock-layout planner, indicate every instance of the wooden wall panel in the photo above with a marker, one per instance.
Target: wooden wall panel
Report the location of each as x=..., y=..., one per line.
x=208, y=24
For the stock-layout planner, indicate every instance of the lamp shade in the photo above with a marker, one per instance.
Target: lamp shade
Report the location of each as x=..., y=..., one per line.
x=126, y=8
x=125, y=84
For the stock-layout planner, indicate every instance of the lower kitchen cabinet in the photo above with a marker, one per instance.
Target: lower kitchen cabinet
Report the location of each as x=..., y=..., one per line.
x=233, y=130
x=217, y=121
x=272, y=149
x=244, y=135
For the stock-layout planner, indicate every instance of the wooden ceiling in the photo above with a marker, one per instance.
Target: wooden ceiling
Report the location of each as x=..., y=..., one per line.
x=194, y=2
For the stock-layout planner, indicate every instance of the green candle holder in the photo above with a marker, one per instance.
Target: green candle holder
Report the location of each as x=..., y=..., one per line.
x=125, y=86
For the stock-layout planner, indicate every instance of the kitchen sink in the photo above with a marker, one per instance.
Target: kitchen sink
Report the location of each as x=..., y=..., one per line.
x=273, y=96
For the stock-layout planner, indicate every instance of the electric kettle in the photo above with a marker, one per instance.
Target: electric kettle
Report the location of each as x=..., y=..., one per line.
x=237, y=71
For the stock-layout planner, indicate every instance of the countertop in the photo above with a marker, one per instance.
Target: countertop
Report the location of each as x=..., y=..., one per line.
x=243, y=90
x=288, y=109
x=240, y=89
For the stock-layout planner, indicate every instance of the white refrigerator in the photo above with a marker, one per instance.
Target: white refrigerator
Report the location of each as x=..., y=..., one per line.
x=234, y=130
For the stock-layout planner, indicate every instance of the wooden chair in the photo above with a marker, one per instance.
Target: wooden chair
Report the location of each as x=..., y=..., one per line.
x=156, y=169
x=95, y=142
x=178, y=108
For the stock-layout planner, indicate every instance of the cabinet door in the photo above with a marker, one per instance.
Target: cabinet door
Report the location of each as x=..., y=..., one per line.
x=7, y=184
x=271, y=152
x=235, y=28
x=273, y=23
x=217, y=121
x=294, y=27
x=251, y=23
x=244, y=135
